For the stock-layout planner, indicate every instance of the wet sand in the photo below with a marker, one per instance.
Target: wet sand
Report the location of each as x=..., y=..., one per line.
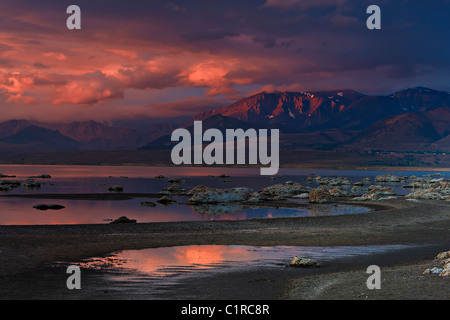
x=27, y=254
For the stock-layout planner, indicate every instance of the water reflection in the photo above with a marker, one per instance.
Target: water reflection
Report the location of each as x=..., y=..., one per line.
x=97, y=179
x=20, y=211
x=179, y=260
x=137, y=179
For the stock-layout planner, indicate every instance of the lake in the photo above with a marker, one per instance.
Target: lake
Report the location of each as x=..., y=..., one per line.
x=141, y=179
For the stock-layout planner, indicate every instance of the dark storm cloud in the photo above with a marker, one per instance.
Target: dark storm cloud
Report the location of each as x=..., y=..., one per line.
x=227, y=48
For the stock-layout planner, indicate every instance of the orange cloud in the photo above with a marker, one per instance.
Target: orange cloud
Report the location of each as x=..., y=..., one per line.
x=55, y=55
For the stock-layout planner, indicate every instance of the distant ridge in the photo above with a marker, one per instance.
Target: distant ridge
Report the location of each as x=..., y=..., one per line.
x=343, y=109
x=413, y=120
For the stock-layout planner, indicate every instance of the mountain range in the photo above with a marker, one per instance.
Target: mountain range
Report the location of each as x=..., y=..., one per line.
x=416, y=119
x=33, y=136
x=412, y=120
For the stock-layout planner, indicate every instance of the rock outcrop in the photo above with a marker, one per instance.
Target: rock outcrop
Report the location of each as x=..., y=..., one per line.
x=304, y=262
x=123, y=220
x=377, y=192
x=389, y=178
x=165, y=200
x=320, y=195
x=338, y=192
x=437, y=190
x=174, y=189
x=289, y=188
x=327, y=181
x=202, y=194
x=116, y=189
x=444, y=259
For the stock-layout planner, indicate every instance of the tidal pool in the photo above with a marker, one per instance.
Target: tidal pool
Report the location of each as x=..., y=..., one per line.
x=179, y=261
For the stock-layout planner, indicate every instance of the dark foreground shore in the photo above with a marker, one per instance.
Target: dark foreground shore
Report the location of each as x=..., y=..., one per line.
x=28, y=254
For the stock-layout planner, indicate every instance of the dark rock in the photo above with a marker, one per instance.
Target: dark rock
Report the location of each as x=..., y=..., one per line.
x=30, y=183
x=48, y=207
x=116, y=189
x=166, y=200
x=148, y=204
x=124, y=220
x=42, y=176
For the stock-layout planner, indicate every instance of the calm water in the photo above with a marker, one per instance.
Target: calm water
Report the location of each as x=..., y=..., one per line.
x=97, y=179
x=166, y=265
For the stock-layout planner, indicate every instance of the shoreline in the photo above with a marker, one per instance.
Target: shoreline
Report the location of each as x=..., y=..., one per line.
x=27, y=251
x=309, y=166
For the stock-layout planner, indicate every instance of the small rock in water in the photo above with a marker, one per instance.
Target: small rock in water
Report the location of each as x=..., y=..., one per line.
x=148, y=204
x=30, y=183
x=304, y=262
x=48, y=207
x=42, y=176
x=116, y=189
x=124, y=220
x=165, y=200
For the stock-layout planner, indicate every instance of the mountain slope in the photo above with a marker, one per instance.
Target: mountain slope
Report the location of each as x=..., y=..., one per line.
x=413, y=131
x=296, y=110
x=216, y=121
x=370, y=109
x=345, y=109
x=10, y=127
x=94, y=135
x=33, y=138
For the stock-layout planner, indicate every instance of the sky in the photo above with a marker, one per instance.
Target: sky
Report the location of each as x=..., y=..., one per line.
x=155, y=61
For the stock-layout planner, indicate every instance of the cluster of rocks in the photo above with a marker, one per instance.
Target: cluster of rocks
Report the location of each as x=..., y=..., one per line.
x=390, y=178
x=287, y=189
x=277, y=192
x=328, y=190
x=8, y=185
x=377, y=192
x=202, y=194
x=436, y=189
x=30, y=182
x=444, y=259
x=329, y=181
x=323, y=194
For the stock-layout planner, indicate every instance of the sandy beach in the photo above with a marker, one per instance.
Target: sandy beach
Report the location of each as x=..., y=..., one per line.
x=28, y=254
